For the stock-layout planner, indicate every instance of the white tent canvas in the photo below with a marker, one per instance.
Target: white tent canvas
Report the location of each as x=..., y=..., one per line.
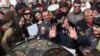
x=4, y=3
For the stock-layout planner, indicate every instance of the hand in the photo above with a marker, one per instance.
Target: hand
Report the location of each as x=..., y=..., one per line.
x=86, y=52
x=72, y=32
x=52, y=32
x=43, y=30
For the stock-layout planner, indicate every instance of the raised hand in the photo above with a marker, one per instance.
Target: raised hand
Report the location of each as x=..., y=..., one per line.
x=72, y=32
x=52, y=32
x=86, y=52
x=43, y=30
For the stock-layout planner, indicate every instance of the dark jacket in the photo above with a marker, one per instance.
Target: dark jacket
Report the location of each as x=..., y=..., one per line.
x=46, y=25
x=63, y=39
x=82, y=25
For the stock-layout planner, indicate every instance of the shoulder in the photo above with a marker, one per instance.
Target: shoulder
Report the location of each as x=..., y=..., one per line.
x=81, y=21
x=70, y=13
x=9, y=31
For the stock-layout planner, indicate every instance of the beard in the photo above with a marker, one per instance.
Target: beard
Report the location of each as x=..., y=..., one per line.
x=64, y=13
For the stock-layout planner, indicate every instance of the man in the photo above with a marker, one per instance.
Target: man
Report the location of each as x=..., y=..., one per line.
x=86, y=22
x=63, y=10
x=69, y=2
x=76, y=15
x=12, y=8
x=45, y=25
x=97, y=7
x=67, y=36
x=96, y=27
x=94, y=38
x=20, y=4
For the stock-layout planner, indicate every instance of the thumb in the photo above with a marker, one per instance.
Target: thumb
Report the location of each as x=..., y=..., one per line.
x=69, y=34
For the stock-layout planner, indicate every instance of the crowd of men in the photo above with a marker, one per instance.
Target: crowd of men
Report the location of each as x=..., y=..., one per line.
x=75, y=25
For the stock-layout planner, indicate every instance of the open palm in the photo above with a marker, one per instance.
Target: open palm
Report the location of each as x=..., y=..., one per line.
x=52, y=32
x=72, y=32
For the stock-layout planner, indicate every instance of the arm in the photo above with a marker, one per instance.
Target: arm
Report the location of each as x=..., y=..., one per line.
x=81, y=40
x=7, y=34
x=52, y=33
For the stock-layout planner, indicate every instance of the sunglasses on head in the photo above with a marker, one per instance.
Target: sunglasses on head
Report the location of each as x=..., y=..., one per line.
x=27, y=13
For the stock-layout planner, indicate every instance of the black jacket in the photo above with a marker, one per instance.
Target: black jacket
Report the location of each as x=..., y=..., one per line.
x=63, y=38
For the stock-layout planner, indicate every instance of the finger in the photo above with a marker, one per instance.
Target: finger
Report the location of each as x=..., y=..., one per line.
x=50, y=29
x=42, y=28
x=70, y=28
x=69, y=33
x=74, y=28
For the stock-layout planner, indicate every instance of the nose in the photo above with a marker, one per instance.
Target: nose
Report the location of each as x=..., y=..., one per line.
x=89, y=17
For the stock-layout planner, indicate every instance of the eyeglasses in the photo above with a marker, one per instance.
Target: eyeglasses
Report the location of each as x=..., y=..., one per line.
x=77, y=6
x=27, y=13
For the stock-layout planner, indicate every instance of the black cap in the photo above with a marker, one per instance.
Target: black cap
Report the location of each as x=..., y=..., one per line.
x=96, y=21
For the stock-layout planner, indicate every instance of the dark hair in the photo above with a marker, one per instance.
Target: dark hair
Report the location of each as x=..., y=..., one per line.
x=17, y=30
x=15, y=23
x=59, y=26
x=36, y=12
x=9, y=16
x=63, y=5
x=41, y=0
x=26, y=8
x=19, y=6
x=51, y=2
x=77, y=1
x=1, y=13
x=31, y=4
x=45, y=10
x=16, y=36
x=38, y=5
x=96, y=21
x=97, y=5
x=11, y=5
x=35, y=20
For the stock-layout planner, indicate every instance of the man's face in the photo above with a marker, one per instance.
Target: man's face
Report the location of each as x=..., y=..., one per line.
x=96, y=30
x=77, y=7
x=46, y=16
x=27, y=14
x=88, y=16
x=12, y=8
x=64, y=9
x=38, y=16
